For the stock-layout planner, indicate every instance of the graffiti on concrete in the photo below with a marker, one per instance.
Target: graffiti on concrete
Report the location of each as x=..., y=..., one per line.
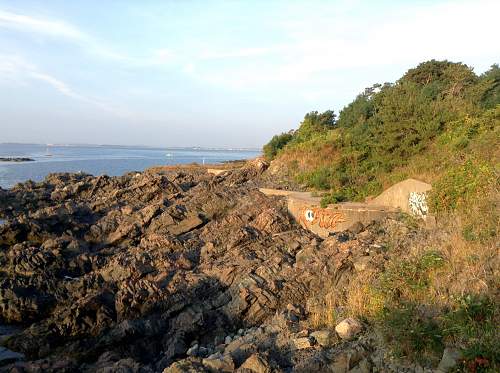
x=418, y=204
x=323, y=217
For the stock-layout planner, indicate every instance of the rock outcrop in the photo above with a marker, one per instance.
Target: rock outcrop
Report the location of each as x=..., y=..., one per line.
x=170, y=271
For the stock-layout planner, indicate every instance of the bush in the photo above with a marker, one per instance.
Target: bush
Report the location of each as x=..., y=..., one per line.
x=472, y=324
x=461, y=185
x=411, y=333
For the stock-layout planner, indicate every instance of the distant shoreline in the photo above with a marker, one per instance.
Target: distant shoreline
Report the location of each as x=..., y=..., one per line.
x=207, y=148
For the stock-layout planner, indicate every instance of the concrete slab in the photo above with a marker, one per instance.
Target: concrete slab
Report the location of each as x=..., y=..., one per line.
x=216, y=171
x=408, y=195
x=307, y=210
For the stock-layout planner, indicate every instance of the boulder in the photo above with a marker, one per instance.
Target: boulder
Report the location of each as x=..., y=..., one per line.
x=302, y=343
x=256, y=364
x=324, y=338
x=348, y=328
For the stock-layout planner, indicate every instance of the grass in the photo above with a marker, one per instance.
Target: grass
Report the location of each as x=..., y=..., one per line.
x=433, y=292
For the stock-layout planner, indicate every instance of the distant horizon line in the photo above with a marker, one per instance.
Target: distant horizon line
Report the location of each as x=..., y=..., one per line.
x=134, y=146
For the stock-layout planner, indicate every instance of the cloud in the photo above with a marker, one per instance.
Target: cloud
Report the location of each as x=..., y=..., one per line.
x=58, y=29
x=26, y=23
x=401, y=36
x=15, y=68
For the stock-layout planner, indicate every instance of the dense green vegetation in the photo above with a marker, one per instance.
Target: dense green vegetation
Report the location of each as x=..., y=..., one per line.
x=388, y=125
x=439, y=123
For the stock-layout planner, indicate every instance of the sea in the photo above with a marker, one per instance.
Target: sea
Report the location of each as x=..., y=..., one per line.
x=102, y=159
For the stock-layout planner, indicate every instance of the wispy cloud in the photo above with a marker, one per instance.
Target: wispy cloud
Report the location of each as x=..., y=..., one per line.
x=15, y=68
x=26, y=23
x=456, y=30
x=58, y=29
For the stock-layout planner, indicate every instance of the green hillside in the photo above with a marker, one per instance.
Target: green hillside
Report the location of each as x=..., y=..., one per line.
x=438, y=123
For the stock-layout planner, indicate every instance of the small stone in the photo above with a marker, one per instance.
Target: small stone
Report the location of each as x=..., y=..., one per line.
x=302, y=333
x=203, y=351
x=364, y=366
x=217, y=355
x=449, y=360
x=228, y=339
x=348, y=328
x=302, y=343
x=362, y=263
x=218, y=340
x=192, y=351
x=257, y=364
x=223, y=364
x=241, y=331
x=323, y=337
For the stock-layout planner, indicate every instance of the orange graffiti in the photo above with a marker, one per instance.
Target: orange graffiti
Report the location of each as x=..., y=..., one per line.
x=323, y=217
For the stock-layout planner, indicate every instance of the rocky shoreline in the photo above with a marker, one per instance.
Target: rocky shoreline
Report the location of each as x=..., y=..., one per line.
x=174, y=271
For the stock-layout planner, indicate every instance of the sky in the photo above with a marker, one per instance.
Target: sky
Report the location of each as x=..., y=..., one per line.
x=214, y=73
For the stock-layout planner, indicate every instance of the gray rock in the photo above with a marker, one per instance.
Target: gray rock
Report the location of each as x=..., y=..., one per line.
x=449, y=360
x=8, y=356
x=193, y=351
x=324, y=338
x=348, y=328
x=222, y=364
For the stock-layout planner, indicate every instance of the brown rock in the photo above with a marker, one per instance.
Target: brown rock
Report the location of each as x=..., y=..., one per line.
x=348, y=328
x=302, y=343
x=186, y=225
x=257, y=364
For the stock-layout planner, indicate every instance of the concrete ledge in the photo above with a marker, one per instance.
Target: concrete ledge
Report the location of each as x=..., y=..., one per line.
x=307, y=211
x=215, y=171
x=336, y=217
x=400, y=196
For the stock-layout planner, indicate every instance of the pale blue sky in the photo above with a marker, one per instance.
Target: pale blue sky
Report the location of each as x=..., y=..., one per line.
x=213, y=73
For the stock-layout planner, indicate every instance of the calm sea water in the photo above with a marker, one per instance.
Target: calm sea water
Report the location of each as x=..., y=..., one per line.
x=99, y=160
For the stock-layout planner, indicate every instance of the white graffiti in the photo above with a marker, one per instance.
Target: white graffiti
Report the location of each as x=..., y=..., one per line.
x=309, y=215
x=418, y=204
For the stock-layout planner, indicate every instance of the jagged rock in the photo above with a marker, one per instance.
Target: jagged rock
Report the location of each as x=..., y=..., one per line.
x=193, y=351
x=127, y=273
x=189, y=223
x=301, y=343
x=185, y=366
x=362, y=263
x=256, y=364
x=324, y=337
x=219, y=363
x=8, y=356
x=348, y=328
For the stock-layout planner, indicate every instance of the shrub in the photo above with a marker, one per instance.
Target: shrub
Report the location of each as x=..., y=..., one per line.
x=472, y=324
x=411, y=333
x=277, y=143
x=461, y=185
